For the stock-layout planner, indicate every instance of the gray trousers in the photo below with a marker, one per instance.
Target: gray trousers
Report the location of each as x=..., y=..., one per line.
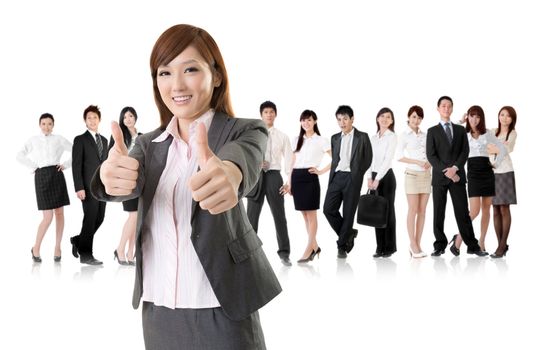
x=199, y=329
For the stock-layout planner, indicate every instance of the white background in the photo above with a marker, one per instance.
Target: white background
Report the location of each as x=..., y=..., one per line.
x=59, y=57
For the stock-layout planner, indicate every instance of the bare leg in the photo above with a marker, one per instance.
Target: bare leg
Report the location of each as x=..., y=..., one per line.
x=420, y=220
x=128, y=229
x=132, y=221
x=486, y=203
x=42, y=229
x=59, y=228
x=411, y=220
x=310, y=217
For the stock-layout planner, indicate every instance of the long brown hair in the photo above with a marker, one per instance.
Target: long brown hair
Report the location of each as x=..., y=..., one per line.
x=170, y=44
x=305, y=115
x=513, y=115
x=479, y=112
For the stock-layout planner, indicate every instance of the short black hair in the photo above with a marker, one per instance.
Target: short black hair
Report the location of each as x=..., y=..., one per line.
x=444, y=98
x=46, y=116
x=343, y=109
x=268, y=104
x=94, y=109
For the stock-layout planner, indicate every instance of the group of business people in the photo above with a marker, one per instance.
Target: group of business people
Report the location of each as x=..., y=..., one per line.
x=43, y=155
x=435, y=162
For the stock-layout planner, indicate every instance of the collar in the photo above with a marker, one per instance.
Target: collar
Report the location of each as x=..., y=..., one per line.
x=93, y=133
x=409, y=131
x=173, y=130
x=349, y=133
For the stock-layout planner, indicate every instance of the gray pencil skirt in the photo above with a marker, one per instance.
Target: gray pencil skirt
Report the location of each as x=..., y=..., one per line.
x=199, y=329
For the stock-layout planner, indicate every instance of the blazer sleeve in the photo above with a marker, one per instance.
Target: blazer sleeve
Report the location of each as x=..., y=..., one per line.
x=246, y=150
x=432, y=152
x=367, y=154
x=78, y=163
x=464, y=154
x=97, y=187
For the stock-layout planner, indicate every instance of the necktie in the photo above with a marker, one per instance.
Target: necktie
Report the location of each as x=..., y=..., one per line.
x=99, y=144
x=448, y=132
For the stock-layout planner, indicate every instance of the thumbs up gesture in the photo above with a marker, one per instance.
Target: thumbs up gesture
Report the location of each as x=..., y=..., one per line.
x=119, y=172
x=215, y=186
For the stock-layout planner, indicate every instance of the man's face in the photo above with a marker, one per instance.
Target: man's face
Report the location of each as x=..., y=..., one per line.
x=268, y=116
x=345, y=123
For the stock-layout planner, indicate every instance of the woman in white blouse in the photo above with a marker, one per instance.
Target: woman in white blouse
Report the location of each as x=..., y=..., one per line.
x=125, y=252
x=43, y=154
x=506, y=193
x=381, y=178
x=309, y=148
x=411, y=150
x=480, y=176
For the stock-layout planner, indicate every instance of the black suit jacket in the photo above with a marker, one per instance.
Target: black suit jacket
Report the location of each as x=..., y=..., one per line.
x=86, y=159
x=361, y=156
x=226, y=244
x=441, y=154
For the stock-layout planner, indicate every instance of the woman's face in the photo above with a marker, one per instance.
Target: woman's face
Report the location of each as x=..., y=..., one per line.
x=307, y=124
x=414, y=120
x=474, y=121
x=385, y=120
x=46, y=125
x=129, y=120
x=505, y=118
x=186, y=85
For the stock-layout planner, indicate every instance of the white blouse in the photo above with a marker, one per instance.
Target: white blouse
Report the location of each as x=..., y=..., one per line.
x=412, y=145
x=311, y=153
x=478, y=146
x=42, y=151
x=506, y=165
x=383, y=151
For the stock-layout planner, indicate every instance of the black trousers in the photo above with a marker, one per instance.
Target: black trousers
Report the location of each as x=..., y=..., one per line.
x=341, y=189
x=461, y=212
x=93, y=218
x=271, y=182
x=386, y=241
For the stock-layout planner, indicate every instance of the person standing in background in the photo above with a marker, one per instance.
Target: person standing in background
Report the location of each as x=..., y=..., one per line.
x=88, y=152
x=43, y=154
x=270, y=184
x=125, y=253
x=351, y=157
x=381, y=179
x=411, y=150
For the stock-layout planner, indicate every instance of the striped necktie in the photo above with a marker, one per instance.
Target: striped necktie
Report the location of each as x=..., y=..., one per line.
x=99, y=144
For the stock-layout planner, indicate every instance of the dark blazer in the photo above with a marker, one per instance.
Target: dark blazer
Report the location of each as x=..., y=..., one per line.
x=86, y=159
x=441, y=154
x=361, y=156
x=226, y=244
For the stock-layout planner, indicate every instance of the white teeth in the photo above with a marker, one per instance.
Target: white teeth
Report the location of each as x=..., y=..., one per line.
x=181, y=98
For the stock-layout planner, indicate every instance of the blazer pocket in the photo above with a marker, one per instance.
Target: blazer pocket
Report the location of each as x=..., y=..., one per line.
x=243, y=247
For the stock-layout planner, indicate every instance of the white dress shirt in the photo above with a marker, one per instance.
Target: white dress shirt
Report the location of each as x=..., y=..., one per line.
x=383, y=151
x=172, y=273
x=41, y=151
x=278, y=146
x=478, y=146
x=506, y=165
x=412, y=145
x=311, y=153
x=345, y=151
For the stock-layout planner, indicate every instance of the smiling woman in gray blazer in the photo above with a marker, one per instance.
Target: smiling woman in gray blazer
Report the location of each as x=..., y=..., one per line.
x=201, y=271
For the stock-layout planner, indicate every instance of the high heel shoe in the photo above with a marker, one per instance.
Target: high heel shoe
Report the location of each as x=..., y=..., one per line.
x=416, y=255
x=453, y=249
x=495, y=255
x=311, y=256
x=116, y=257
x=36, y=259
x=57, y=258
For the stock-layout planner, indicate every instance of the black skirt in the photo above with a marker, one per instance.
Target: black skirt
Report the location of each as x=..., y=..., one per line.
x=305, y=189
x=480, y=178
x=131, y=205
x=50, y=186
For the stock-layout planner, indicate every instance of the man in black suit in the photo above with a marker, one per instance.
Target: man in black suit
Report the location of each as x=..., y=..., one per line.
x=88, y=152
x=447, y=150
x=351, y=157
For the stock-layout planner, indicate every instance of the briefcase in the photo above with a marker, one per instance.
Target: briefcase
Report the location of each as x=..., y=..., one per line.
x=372, y=210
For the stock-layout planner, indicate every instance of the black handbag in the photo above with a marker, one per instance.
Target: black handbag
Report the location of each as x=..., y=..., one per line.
x=372, y=210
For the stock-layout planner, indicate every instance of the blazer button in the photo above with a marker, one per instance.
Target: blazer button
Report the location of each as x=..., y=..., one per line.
x=196, y=235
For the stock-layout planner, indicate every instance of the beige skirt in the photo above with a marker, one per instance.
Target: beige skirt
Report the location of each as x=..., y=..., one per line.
x=417, y=182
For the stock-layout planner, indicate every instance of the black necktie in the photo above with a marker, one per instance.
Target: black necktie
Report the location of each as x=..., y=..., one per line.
x=448, y=132
x=99, y=144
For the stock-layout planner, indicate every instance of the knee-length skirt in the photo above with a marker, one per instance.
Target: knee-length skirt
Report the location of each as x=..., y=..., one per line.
x=50, y=186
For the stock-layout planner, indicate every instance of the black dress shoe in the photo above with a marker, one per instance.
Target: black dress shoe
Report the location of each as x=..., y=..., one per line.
x=453, y=249
x=387, y=254
x=342, y=254
x=74, y=247
x=378, y=255
x=351, y=240
x=478, y=252
x=90, y=260
x=437, y=252
x=286, y=261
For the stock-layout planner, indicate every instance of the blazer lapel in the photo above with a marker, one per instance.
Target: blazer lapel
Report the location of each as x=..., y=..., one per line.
x=354, y=144
x=336, y=148
x=93, y=144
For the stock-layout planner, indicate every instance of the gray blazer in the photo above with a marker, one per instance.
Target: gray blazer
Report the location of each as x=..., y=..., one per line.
x=226, y=244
